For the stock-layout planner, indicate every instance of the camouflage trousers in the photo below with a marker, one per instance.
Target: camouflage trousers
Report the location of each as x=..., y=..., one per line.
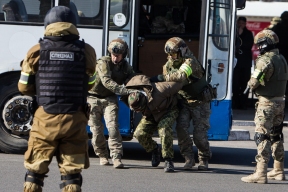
x=269, y=113
x=107, y=107
x=199, y=115
x=147, y=127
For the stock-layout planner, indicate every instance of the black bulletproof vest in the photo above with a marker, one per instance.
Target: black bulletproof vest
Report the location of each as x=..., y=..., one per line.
x=61, y=80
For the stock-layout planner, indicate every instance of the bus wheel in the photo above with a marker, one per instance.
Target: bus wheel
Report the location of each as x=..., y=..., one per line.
x=15, y=121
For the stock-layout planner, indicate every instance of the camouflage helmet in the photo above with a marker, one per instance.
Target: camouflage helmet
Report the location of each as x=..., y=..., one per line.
x=118, y=46
x=175, y=45
x=266, y=36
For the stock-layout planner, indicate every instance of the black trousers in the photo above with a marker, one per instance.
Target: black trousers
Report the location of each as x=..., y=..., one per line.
x=241, y=76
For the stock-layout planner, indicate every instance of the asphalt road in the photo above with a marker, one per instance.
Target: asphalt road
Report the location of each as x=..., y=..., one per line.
x=231, y=160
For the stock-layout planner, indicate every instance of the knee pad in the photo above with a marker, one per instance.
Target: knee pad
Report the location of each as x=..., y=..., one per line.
x=35, y=178
x=259, y=137
x=71, y=179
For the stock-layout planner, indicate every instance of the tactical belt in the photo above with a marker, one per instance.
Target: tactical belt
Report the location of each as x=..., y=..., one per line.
x=80, y=108
x=265, y=98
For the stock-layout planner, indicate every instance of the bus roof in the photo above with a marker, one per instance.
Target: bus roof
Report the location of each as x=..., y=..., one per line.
x=263, y=9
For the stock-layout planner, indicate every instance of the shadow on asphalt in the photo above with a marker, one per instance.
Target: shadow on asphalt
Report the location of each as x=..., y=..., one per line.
x=220, y=155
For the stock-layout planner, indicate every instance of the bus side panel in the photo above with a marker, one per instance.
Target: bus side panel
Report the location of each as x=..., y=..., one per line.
x=220, y=120
x=123, y=121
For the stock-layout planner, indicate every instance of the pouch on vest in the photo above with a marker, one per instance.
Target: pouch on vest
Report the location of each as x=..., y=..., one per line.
x=209, y=93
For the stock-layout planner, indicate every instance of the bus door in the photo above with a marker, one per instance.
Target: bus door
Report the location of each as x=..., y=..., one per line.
x=218, y=60
x=119, y=23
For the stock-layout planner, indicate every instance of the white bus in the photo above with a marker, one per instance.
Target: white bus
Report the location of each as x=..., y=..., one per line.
x=209, y=33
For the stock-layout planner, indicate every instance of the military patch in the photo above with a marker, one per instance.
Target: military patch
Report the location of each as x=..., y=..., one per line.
x=66, y=56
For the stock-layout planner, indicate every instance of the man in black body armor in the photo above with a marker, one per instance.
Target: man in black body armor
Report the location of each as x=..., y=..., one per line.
x=59, y=71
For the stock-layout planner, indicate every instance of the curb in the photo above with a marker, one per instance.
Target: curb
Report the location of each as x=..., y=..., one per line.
x=251, y=123
x=239, y=135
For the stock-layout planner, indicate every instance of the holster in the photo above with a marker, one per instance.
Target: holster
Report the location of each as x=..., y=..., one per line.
x=209, y=93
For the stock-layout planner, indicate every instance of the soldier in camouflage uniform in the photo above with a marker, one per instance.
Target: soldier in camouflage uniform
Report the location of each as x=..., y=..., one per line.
x=158, y=104
x=196, y=95
x=268, y=82
x=112, y=72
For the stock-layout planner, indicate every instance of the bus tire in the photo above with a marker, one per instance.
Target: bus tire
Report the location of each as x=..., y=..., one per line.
x=9, y=141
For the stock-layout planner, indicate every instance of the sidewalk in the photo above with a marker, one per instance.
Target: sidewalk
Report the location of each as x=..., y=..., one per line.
x=243, y=124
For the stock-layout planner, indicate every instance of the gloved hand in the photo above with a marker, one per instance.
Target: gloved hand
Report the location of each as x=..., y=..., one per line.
x=157, y=78
x=154, y=79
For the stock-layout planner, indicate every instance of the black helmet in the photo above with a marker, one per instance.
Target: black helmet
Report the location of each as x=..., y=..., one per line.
x=59, y=14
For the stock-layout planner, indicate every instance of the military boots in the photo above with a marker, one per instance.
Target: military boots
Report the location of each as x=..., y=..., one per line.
x=169, y=165
x=259, y=176
x=156, y=155
x=117, y=163
x=277, y=172
x=189, y=162
x=203, y=164
x=104, y=161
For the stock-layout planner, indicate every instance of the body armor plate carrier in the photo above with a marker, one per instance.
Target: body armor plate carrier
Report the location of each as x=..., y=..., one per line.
x=61, y=80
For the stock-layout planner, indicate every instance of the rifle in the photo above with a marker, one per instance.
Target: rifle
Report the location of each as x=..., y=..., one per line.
x=246, y=90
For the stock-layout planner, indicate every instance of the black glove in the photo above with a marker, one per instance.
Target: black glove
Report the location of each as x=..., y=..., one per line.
x=154, y=79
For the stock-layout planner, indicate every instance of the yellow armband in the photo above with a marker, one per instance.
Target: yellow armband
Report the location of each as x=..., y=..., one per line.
x=186, y=69
x=92, y=79
x=257, y=74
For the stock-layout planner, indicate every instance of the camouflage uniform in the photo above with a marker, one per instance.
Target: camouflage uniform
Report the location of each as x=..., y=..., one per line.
x=103, y=100
x=269, y=110
x=269, y=113
x=193, y=108
x=268, y=81
x=158, y=104
x=146, y=128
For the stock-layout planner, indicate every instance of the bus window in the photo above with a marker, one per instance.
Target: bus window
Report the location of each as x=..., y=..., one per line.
x=24, y=11
x=221, y=23
x=13, y=10
x=88, y=11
